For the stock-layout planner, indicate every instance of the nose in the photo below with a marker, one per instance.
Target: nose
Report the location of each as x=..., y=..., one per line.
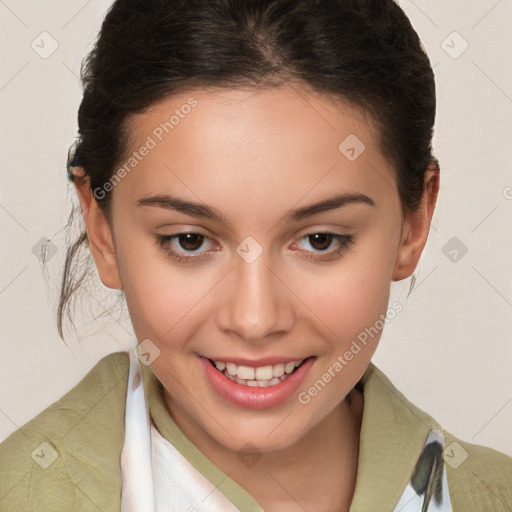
x=257, y=303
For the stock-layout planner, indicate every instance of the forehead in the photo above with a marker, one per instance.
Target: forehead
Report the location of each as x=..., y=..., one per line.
x=283, y=142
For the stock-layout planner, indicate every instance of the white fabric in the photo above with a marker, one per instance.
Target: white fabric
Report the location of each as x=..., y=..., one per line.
x=188, y=490
x=136, y=477
x=157, y=478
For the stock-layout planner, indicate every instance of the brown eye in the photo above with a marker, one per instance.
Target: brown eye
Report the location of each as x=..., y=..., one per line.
x=185, y=247
x=190, y=241
x=320, y=241
x=320, y=245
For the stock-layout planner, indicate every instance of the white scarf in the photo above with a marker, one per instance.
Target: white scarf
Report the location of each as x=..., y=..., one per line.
x=147, y=460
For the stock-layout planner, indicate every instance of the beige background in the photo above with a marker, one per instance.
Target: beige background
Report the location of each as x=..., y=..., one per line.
x=449, y=350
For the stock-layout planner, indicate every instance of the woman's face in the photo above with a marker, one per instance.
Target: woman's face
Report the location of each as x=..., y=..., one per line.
x=257, y=284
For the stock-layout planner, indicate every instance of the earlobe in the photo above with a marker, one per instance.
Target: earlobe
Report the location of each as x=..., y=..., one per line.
x=417, y=226
x=99, y=233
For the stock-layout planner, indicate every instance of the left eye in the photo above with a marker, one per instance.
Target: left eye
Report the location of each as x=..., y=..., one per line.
x=322, y=241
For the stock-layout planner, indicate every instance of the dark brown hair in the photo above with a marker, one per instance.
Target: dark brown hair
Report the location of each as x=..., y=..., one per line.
x=364, y=52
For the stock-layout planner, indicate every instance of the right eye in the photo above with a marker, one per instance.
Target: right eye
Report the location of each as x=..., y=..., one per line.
x=177, y=246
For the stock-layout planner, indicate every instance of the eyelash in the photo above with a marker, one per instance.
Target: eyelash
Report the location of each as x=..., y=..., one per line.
x=164, y=241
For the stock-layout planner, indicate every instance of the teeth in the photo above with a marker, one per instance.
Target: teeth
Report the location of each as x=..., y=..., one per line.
x=231, y=368
x=246, y=373
x=264, y=373
x=262, y=377
x=289, y=367
x=278, y=370
x=220, y=365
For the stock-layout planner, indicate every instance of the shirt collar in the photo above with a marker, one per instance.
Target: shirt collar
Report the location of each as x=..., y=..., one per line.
x=153, y=391
x=393, y=433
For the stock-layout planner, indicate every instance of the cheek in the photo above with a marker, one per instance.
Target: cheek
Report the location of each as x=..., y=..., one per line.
x=350, y=296
x=166, y=301
x=158, y=295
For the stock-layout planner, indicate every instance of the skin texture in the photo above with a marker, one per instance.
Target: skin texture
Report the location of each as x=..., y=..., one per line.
x=253, y=155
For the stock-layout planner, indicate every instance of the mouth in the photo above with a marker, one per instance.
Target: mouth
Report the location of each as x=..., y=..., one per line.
x=256, y=385
x=259, y=376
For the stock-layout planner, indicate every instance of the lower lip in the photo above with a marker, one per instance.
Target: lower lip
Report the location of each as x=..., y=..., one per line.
x=252, y=397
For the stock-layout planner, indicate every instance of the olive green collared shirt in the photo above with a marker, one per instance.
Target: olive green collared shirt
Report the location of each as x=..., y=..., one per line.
x=67, y=458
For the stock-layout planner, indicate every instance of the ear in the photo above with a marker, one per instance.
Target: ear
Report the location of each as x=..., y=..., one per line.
x=416, y=226
x=98, y=232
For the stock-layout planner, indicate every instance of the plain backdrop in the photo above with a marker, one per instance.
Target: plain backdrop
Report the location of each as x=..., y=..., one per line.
x=450, y=349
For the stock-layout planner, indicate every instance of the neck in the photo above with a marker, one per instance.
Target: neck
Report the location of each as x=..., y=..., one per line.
x=316, y=473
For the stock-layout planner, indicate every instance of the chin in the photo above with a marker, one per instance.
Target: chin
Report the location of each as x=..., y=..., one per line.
x=262, y=436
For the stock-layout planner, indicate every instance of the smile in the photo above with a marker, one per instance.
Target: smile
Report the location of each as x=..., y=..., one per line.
x=261, y=376
x=256, y=385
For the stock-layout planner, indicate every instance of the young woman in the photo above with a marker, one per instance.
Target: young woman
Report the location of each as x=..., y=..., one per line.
x=252, y=175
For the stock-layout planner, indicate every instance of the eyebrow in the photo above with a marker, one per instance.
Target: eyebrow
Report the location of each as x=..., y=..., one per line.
x=199, y=210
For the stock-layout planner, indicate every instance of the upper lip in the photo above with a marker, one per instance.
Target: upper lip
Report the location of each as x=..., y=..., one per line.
x=255, y=363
